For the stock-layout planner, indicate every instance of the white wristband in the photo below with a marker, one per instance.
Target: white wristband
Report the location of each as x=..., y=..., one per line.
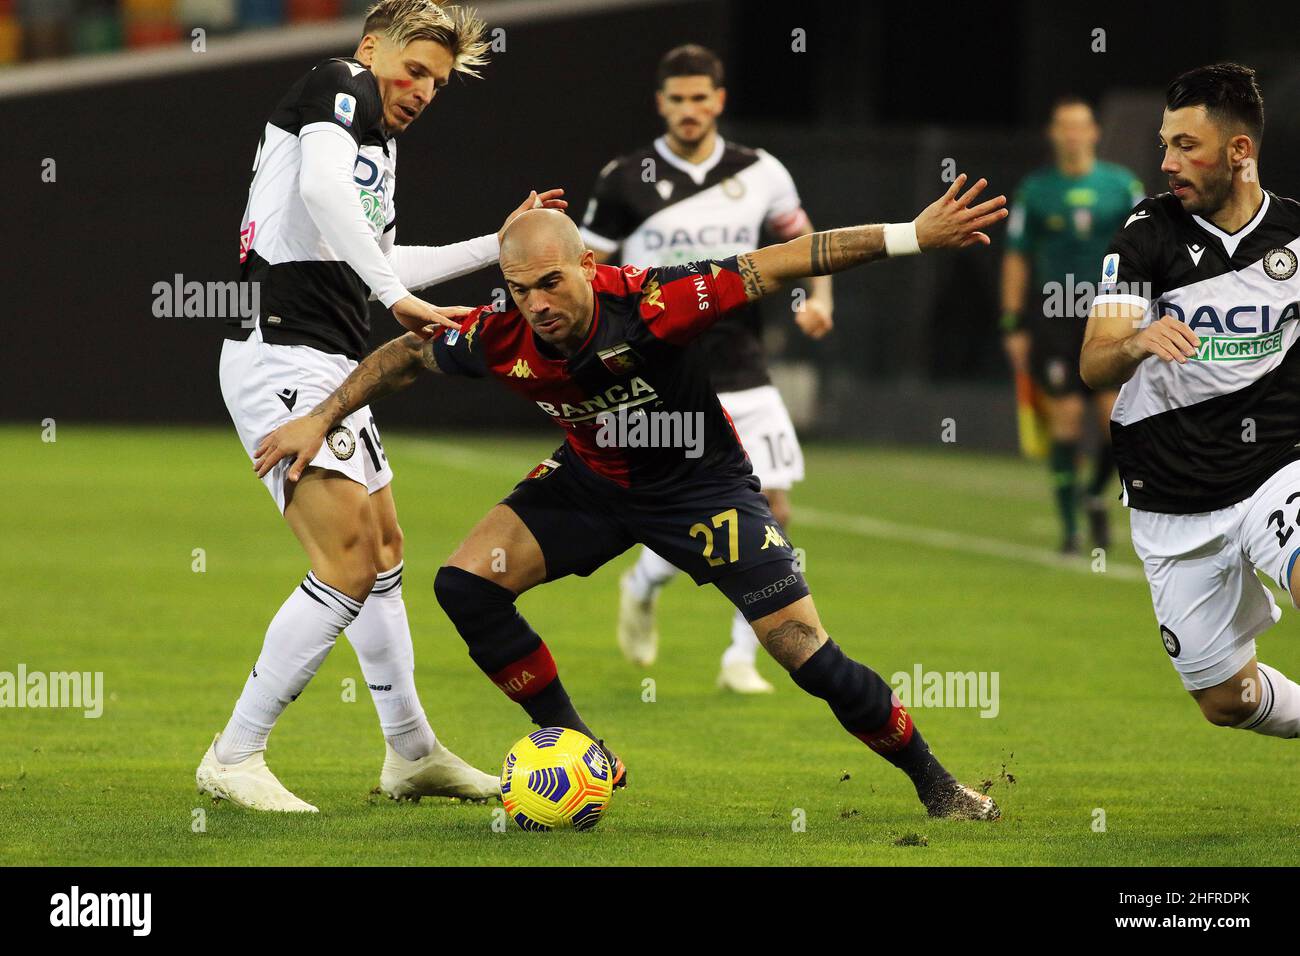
x=900, y=239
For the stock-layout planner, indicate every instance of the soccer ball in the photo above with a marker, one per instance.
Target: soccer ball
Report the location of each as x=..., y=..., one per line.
x=556, y=777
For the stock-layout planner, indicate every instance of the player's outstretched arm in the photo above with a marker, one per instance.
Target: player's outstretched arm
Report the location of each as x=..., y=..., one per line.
x=388, y=369
x=950, y=222
x=1114, y=345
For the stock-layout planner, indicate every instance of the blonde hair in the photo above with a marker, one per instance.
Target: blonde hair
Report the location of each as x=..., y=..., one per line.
x=460, y=29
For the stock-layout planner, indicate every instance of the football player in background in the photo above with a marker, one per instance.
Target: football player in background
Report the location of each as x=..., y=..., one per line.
x=1062, y=216
x=692, y=195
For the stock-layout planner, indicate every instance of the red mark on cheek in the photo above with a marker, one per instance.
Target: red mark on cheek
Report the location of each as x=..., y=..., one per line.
x=402, y=84
x=1201, y=163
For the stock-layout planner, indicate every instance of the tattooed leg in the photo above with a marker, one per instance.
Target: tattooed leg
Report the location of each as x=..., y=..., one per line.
x=865, y=706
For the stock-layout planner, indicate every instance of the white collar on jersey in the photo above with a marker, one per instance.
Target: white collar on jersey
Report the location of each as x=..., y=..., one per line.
x=697, y=171
x=1231, y=240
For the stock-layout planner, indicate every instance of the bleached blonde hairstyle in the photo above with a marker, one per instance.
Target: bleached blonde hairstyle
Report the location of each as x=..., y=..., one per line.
x=460, y=29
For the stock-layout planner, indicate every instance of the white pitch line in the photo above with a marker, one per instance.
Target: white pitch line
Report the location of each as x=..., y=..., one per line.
x=471, y=459
x=869, y=527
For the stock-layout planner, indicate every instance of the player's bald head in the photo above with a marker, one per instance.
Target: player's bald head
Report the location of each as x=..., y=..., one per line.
x=541, y=234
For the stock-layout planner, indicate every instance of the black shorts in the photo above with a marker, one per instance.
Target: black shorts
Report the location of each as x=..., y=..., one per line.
x=1054, y=347
x=719, y=530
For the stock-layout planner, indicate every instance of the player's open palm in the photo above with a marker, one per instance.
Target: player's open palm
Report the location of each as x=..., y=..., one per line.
x=1167, y=339
x=298, y=439
x=951, y=222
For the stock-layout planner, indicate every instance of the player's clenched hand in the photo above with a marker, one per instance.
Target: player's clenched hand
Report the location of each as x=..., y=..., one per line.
x=951, y=222
x=299, y=439
x=550, y=199
x=1166, y=338
x=423, y=319
x=814, y=319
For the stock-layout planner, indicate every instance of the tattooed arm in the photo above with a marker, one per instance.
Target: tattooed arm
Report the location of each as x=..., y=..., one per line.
x=950, y=222
x=388, y=369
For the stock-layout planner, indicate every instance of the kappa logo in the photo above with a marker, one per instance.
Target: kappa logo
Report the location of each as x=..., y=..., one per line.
x=469, y=335
x=773, y=538
x=521, y=370
x=289, y=396
x=652, y=295
x=1135, y=217
x=1195, y=250
x=775, y=587
x=1280, y=263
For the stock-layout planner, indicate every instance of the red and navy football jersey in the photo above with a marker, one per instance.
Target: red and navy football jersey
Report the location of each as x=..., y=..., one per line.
x=633, y=363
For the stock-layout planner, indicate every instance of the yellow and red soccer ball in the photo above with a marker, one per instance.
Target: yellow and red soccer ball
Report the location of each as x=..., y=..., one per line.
x=554, y=778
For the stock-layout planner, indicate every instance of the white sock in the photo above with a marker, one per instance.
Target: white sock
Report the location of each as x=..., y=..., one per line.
x=381, y=636
x=650, y=574
x=1278, y=713
x=297, y=641
x=744, y=642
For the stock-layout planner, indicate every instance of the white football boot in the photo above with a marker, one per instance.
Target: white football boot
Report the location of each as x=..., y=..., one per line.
x=637, y=635
x=249, y=784
x=963, y=803
x=440, y=774
x=743, y=678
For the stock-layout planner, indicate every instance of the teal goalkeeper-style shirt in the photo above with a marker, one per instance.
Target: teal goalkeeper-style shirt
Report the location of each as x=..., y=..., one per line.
x=1064, y=224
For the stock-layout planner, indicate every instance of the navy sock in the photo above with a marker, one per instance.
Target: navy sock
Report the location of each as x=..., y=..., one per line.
x=868, y=708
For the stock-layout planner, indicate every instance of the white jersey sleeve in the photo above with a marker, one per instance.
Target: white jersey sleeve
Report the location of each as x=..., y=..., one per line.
x=418, y=267
x=328, y=191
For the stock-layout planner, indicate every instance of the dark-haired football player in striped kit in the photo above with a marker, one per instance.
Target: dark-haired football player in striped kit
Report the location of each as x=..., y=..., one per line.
x=692, y=195
x=593, y=344
x=1197, y=318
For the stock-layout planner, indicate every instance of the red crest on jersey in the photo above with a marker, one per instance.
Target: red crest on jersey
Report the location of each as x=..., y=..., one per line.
x=620, y=359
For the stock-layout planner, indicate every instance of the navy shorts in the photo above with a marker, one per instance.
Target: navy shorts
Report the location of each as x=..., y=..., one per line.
x=718, y=529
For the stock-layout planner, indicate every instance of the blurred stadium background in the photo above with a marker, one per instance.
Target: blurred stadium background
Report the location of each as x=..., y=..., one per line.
x=153, y=143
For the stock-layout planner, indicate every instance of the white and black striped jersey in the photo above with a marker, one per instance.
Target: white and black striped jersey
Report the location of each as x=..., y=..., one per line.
x=663, y=211
x=308, y=294
x=1202, y=436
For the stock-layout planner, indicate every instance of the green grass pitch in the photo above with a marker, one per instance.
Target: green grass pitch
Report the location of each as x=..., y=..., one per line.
x=938, y=557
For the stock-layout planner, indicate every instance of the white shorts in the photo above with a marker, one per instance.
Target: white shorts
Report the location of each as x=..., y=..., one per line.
x=767, y=433
x=1201, y=567
x=266, y=385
